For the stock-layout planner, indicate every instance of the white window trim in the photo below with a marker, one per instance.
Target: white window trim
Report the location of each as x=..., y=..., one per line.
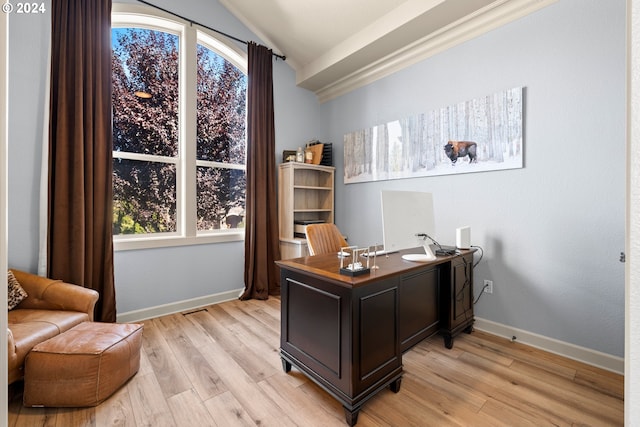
x=127, y=15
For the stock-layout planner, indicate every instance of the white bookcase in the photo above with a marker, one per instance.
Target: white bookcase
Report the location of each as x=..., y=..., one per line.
x=305, y=195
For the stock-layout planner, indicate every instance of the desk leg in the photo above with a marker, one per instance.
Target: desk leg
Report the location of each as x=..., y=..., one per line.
x=351, y=415
x=395, y=386
x=448, y=341
x=286, y=366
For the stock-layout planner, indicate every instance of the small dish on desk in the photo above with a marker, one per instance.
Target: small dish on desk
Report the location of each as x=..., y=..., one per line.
x=418, y=257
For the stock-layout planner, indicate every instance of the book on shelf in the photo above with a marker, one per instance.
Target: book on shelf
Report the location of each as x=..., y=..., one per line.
x=300, y=226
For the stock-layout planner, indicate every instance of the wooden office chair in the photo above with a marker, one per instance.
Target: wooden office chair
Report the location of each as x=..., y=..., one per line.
x=324, y=238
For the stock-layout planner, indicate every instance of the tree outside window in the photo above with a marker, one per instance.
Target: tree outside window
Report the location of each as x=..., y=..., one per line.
x=149, y=148
x=221, y=114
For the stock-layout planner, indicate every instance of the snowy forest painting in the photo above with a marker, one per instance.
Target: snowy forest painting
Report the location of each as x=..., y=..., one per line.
x=482, y=134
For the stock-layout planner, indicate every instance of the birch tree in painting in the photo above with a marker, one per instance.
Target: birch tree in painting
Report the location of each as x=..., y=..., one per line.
x=381, y=149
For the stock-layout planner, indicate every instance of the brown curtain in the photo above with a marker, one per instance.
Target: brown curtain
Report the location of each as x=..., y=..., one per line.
x=261, y=248
x=79, y=236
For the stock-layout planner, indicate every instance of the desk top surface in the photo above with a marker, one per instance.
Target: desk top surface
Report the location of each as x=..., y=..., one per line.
x=327, y=266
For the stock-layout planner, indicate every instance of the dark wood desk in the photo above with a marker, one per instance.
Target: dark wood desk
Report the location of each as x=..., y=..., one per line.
x=348, y=333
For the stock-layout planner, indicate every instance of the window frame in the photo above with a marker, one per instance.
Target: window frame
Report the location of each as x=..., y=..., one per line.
x=190, y=35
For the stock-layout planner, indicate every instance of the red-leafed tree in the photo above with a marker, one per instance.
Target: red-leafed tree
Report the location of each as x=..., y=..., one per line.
x=145, y=121
x=221, y=112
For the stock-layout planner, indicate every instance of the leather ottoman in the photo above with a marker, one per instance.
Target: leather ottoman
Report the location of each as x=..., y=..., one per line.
x=82, y=366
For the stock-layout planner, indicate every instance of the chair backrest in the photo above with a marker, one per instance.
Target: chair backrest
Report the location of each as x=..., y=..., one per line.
x=324, y=238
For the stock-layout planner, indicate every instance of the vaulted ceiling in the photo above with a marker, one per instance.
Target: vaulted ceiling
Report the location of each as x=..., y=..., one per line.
x=335, y=46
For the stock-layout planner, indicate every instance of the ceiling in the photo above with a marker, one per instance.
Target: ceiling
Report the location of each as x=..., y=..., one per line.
x=335, y=46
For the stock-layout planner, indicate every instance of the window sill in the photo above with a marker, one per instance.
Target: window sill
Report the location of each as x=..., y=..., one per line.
x=127, y=244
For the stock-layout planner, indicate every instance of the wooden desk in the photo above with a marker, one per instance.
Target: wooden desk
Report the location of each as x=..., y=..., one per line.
x=348, y=333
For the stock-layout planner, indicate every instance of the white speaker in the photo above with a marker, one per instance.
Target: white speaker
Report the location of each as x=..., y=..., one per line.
x=463, y=237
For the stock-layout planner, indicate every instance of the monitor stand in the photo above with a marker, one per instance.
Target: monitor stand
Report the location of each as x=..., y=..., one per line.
x=425, y=257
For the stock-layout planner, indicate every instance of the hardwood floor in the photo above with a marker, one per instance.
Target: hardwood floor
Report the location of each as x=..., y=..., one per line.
x=220, y=366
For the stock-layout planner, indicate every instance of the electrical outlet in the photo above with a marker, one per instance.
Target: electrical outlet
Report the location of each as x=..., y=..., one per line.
x=488, y=286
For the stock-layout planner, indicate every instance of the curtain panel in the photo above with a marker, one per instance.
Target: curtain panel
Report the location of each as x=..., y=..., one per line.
x=262, y=248
x=79, y=236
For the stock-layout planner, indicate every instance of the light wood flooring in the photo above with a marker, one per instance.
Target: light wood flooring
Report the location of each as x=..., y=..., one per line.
x=220, y=367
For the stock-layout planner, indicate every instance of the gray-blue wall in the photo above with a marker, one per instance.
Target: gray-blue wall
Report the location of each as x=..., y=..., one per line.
x=552, y=231
x=28, y=47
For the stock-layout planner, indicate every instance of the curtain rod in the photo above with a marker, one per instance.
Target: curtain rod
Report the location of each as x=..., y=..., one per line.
x=207, y=27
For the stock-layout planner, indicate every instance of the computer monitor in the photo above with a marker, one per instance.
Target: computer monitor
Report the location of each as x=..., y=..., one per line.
x=405, y=214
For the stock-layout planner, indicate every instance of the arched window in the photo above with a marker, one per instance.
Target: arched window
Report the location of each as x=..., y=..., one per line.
x=179, y=139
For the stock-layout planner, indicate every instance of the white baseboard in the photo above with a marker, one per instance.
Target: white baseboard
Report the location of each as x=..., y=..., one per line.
x=177, y=307
x=571, y=351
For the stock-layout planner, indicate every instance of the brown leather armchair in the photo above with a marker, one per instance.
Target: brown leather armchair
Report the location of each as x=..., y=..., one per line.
x=51, y=308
